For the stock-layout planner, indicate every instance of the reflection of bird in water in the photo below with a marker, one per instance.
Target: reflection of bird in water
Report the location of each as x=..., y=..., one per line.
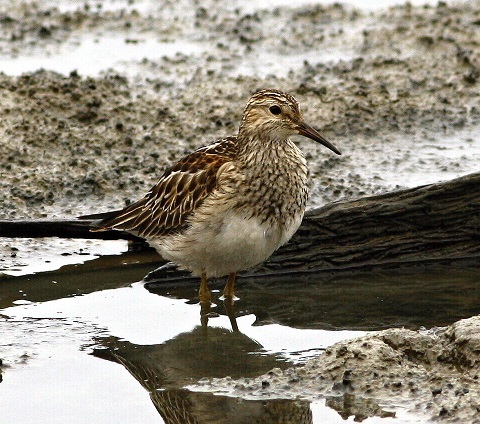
x=228, y=206
x=163, y=370
x=173, y=405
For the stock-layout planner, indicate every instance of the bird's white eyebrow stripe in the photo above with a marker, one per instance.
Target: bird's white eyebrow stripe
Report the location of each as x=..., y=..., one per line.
x=267, y=96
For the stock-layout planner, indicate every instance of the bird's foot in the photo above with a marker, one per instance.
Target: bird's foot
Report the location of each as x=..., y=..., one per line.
x=204, y=292
x=205, y=297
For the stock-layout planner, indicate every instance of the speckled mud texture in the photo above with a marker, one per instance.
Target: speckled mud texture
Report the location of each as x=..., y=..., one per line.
x=433, y=373
x=394, y=89
x=397, y=90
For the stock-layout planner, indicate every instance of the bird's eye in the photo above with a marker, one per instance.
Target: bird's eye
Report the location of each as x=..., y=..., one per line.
x=275, y=110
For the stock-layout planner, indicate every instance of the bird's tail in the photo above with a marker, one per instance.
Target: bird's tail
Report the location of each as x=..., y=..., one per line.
x=97, y=220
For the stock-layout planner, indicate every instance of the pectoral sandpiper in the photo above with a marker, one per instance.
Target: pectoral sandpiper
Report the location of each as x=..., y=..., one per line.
x=228, y=206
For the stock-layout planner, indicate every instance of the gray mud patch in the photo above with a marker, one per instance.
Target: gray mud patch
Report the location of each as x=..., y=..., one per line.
x=433, y=373
x=406, y=92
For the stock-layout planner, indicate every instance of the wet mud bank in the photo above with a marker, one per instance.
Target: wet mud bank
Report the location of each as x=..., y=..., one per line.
x=433, y=373
x=398, y=94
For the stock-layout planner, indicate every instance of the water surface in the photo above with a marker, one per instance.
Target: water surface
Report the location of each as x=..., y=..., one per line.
x=115, y=350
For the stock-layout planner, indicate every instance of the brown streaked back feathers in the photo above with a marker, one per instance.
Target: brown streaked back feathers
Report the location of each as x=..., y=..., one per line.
x=180, y=190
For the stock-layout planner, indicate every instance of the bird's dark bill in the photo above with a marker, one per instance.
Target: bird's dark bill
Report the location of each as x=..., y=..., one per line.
x=313, y=134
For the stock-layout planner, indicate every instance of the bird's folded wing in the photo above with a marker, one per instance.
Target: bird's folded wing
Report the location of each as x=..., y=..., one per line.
x=180, y=190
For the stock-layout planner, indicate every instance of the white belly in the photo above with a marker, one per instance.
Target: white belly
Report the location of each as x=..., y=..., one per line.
x=226, y=243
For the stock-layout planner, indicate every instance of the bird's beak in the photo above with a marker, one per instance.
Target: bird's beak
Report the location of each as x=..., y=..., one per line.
x=310, y=132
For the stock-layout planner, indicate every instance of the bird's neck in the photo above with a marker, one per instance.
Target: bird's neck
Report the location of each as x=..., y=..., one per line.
x=270, y=159
x=254, y=149
x=274, y=176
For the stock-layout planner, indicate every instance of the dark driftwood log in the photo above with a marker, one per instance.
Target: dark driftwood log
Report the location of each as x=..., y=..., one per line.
x=429, y=223
x=437, y=222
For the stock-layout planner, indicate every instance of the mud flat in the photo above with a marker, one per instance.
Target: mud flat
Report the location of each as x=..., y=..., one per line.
x=433, y=373
x=396, y=90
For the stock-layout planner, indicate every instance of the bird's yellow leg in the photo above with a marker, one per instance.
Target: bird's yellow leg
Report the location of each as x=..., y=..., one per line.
x=204, y=293
x=229, y=290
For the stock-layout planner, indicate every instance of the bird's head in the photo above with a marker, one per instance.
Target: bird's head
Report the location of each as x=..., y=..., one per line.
x=276, y=115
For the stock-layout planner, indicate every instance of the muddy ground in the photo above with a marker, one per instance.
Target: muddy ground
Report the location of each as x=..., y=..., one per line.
x=435, y=373
x=396, y=90
x=403, y=78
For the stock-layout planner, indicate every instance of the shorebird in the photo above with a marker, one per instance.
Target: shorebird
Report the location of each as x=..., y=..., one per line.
x=228, y=206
